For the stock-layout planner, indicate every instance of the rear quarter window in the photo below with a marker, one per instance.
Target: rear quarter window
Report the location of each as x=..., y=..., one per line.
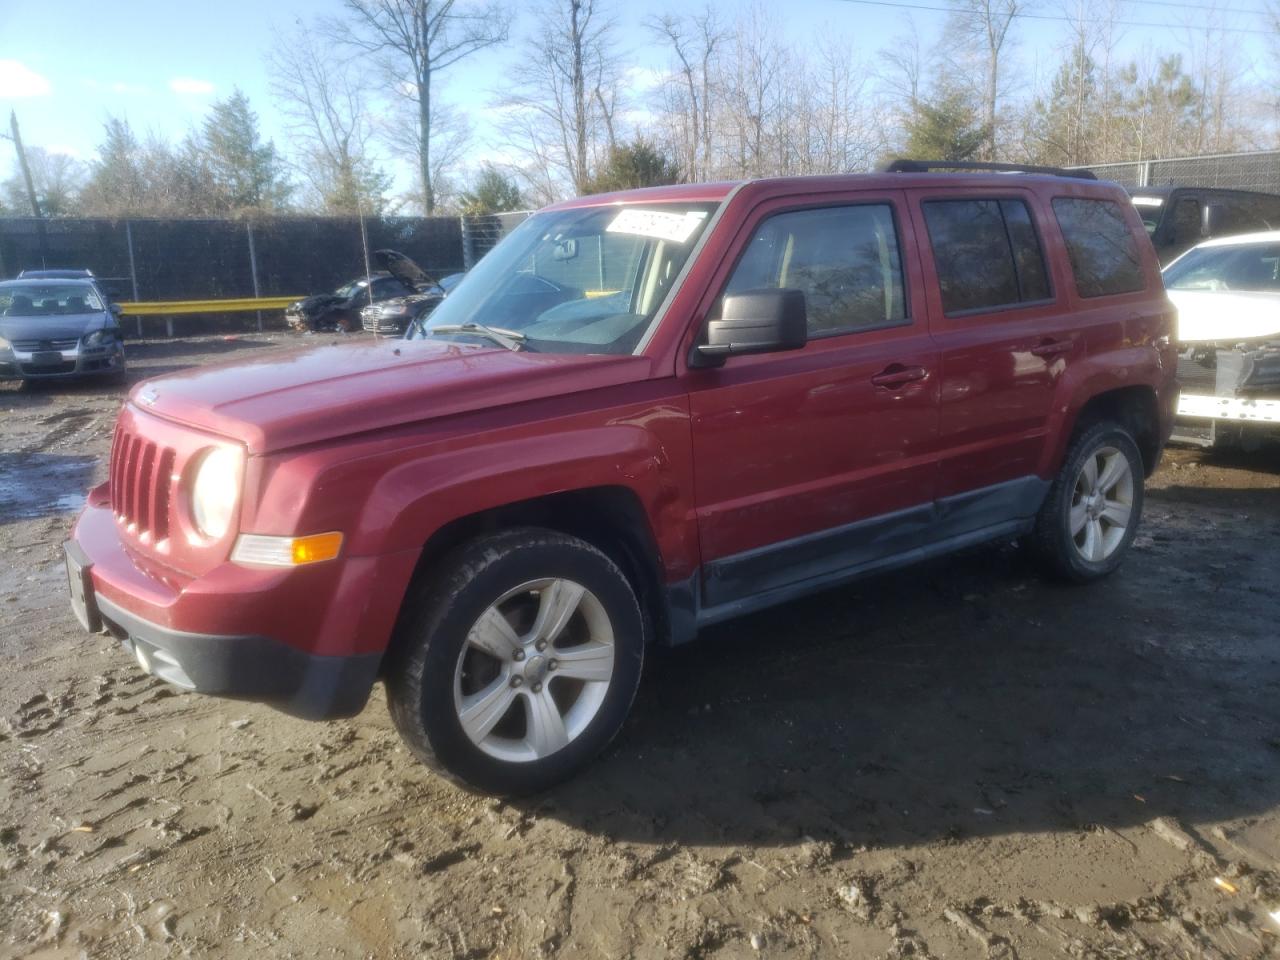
x=1102, y=249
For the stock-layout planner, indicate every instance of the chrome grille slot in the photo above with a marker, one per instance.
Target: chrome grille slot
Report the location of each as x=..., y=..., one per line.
x=31, y=346
x=140, y=478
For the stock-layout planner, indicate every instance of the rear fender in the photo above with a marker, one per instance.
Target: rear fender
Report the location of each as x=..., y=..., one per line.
x=1089, y=377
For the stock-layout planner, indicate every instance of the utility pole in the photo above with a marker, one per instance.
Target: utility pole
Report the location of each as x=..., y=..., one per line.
x=22, y=164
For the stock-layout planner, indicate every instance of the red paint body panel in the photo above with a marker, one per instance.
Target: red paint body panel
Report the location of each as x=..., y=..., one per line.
x=389, y=442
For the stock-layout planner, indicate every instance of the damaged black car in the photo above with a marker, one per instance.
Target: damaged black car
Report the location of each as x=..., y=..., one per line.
x=393, y=317
x=340, y=311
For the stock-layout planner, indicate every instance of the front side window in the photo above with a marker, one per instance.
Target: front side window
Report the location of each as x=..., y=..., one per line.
x=844, y=259
x=583, y=280
x=46, y=300
x=1103, y=253
x=1253, y=268
x=986, y=253
x=1186, y=220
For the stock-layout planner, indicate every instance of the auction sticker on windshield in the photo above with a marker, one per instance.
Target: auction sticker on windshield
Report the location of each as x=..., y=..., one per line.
x=676, y=227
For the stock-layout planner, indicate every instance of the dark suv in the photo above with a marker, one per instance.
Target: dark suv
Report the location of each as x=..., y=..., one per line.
x=1177, y=218
x=639, y=414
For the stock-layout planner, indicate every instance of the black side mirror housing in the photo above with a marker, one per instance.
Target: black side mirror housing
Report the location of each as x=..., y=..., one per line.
x=1211, y=220
x=754, y=321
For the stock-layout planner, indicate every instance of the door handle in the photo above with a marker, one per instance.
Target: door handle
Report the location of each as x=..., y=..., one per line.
x=1051, y=348
x=896, y=375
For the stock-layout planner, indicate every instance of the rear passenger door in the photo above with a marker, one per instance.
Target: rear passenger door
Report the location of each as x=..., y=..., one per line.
x=799, y=455
x=1003, y=326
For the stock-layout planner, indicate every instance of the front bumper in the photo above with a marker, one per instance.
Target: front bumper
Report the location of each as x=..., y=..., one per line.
x=306, y=641
x=15, y=365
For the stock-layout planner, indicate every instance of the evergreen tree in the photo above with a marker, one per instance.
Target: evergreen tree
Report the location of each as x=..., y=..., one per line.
x=246, y=173
x=946, y=128
x=630, y=165
x=493, y=192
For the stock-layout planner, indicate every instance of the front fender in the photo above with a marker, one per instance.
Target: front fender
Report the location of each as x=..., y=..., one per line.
x=646, y=454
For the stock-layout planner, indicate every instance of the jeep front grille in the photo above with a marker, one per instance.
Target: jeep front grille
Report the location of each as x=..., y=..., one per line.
x=140, y=481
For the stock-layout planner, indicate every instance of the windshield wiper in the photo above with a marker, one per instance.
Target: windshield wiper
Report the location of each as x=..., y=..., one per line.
x=511, y=339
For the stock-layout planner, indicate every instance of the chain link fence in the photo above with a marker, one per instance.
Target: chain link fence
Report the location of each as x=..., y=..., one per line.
x=1237, y=171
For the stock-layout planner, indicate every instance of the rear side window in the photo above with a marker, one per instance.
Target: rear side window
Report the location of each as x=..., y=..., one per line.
x=987, y=254
x=844, y=259
x=1103, y=253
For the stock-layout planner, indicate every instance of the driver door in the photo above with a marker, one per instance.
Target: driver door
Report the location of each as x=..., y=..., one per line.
x=812, y=462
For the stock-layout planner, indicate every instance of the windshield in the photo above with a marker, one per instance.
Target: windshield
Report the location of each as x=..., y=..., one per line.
x=1149, y=209
x=46, y=300
x=1250, y=268
x=349, y=290
x=587, y=280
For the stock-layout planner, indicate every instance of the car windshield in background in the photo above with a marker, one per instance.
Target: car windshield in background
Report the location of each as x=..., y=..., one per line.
x=48, y=300
x=1149, y=210
x=349, y=290
x=1249, y=268
x=585, y=280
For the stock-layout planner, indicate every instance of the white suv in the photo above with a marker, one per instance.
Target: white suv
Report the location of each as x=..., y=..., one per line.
x=1227, y=292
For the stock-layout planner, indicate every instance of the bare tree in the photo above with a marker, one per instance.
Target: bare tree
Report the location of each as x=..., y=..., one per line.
x=695, y=42
x=326, y=102
x=415, y=40
x=561, y=111
x=984, y=25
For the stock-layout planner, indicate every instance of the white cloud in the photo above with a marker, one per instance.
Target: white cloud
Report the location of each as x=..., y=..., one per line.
x=190, y=85
x=19, y=80
x=643, y=79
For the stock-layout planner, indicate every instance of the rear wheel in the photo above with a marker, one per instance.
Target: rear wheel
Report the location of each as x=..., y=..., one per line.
x=519, y=661
x=1090, y=517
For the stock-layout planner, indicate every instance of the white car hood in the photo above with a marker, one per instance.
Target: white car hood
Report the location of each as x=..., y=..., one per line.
x=1221, y=316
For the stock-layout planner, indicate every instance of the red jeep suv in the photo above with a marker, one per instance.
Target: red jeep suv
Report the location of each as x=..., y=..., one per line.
x=640, y=414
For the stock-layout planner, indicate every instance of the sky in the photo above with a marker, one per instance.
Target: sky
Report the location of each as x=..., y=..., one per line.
x=65, y=65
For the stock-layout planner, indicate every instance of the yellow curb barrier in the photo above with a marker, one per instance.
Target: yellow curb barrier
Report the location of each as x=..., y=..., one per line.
x=152, y=308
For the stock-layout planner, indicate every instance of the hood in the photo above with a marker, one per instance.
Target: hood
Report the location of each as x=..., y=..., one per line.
x=62, y=327
x=402, y=268
x=319, y=393
x=1223, y=317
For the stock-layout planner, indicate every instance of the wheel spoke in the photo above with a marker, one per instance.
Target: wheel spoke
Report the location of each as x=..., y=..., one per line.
x=481, y=711
x=1114, y=468
x=546, y=733
x=1117, y=513
x=1090, y=473
x=492, y=633
x=1092, y=540
x=1078, y=517
x=591, y=661
x=556, y=605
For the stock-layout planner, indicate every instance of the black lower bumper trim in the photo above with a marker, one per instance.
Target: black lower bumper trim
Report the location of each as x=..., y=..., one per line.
x=249, y=667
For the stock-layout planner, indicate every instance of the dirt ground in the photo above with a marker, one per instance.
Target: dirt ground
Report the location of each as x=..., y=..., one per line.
x=956, y=761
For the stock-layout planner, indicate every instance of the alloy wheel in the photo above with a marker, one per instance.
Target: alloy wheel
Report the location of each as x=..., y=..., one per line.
x=1101, y=504
x=534, y=670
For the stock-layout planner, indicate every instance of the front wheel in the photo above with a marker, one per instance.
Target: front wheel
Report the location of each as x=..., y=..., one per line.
x=518, y=662
x=1091, y=514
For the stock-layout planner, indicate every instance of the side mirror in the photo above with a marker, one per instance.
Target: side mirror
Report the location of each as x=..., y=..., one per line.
x=1211, y=219
x=116, y=309
x=756, y=321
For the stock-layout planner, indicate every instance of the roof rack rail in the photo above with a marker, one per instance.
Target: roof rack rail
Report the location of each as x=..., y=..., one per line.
x=926, y=166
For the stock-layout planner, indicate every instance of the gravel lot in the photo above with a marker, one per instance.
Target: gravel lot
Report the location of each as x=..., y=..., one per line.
x=954, y=761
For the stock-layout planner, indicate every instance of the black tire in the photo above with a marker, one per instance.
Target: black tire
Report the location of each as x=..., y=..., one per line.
x=434, y=630
x=1052, y=540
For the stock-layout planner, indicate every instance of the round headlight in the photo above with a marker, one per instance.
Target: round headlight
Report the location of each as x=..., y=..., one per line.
x=215, y=491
